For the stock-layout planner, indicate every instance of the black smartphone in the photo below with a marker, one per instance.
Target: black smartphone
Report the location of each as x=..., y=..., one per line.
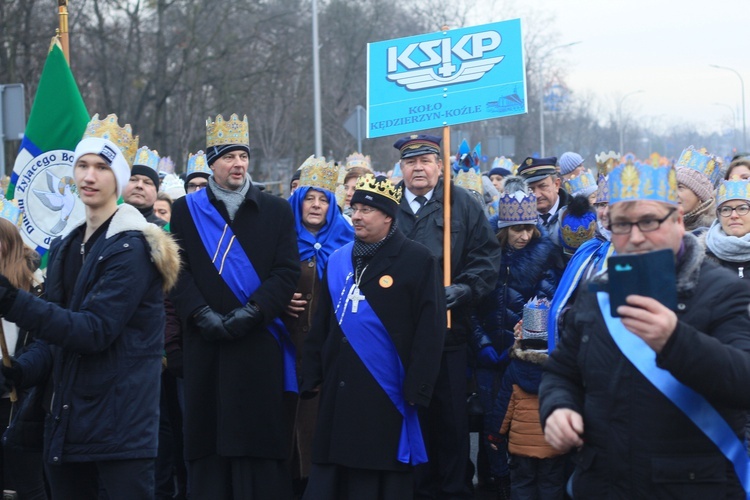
x=651, y=274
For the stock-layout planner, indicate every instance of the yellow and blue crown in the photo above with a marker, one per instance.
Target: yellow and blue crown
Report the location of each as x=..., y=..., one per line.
x=358, y=160
x=109, y=129
x=505, y=163
x=197, y=164
x=10, y=212
x=734, y=189
x=148, y=158
x=221, y=133
x=581, y=185
x=516, y=208
x=702, y=161
x=317, y=173
x=642, y=182
x=605, y=163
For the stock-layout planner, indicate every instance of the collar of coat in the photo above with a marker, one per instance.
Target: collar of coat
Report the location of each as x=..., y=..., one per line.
x=528, y=355
x=162, y=247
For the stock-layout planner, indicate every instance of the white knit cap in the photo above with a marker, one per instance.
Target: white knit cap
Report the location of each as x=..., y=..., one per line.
x=111, y=154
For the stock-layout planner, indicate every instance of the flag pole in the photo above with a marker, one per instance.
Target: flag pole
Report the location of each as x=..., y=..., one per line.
x=447, y=207
x=62, y=31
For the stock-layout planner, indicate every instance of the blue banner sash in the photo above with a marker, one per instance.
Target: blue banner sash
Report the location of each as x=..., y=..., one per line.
x=370, y=340
x=697, y=409
x=235, y=268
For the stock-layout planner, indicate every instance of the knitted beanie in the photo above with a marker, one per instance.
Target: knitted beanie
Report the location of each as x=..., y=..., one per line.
x=696, y=182
x=570, y=161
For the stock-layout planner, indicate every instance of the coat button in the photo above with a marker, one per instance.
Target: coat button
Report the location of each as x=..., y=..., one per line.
x=100, y=257
x=585, y=338
x=65, y=407
x=55, y=459
x=304, y=328
x=310, y=263
x=345, y=340
x=308, y=296
x=126, y=245
x=681, y=306
x=342, y=384
x=692, y=476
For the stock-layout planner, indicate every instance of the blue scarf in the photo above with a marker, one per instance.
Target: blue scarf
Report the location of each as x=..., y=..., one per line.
x=235, y=268
x=374, y=346
x=692, y=404
x=334, y=234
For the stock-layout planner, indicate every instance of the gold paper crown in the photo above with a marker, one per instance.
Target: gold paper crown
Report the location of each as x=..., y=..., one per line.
x=315, y=172
x=606, y=162
x=109, y=129
x=368, y=182
x=221, y=133
x=358, y=160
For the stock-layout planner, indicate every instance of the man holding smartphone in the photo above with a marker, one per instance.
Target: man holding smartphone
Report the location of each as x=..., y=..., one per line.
x=651, y=400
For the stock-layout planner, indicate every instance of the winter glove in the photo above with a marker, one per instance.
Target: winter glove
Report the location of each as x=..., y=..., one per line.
x=488, y=356
x=210, y=324
x=243, y=319
x=8, y=295
x=13, y=374
x=456, y=295
x=174, y=363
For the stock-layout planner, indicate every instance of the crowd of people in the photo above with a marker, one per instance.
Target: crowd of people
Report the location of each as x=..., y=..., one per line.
x=200, y=337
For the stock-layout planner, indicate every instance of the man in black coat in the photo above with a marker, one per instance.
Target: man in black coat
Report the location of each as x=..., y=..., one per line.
x=374, y=351
x=240, y=269
x=616, y=388
x=551, y=199
x=475, y=260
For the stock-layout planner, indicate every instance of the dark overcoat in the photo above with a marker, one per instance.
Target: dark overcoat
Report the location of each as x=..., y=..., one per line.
x=358, y=425
x=234, y=388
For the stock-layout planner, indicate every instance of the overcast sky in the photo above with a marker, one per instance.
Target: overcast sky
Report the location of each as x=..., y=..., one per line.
x=661, y=47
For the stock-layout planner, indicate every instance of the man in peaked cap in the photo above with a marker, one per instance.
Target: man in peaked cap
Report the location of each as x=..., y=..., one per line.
x=650, y=399
x=475, y=260
x=541, y=176
x=375, y=354
x=237, y=355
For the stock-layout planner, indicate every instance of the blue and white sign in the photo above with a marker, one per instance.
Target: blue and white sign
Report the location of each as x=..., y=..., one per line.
x=445, y=78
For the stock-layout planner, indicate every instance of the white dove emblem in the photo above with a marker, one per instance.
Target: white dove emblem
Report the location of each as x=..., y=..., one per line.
x=60, y=198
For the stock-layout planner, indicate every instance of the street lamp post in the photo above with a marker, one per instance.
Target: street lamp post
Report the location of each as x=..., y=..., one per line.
x=541, y=92
x=619, y=118
x=734, y=118
x=316, y=83
x=742, y=88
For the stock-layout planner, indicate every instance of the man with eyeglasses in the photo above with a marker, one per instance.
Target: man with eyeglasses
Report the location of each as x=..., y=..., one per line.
x=652, y=399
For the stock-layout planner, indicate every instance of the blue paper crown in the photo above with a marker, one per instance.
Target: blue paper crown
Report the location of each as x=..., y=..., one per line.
x=516, y=208
x=148, y=158
x=397, y=170
x=735, y=189
x=702, y=161
x=9, y=211
x=602, y=192
x=642, y=182
x=583, y=184
x=197, y=163
x=505, y=163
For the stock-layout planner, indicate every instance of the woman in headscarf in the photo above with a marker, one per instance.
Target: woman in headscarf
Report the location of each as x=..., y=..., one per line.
x=321, y=230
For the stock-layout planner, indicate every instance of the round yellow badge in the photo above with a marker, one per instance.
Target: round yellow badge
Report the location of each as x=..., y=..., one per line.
x=386, y=281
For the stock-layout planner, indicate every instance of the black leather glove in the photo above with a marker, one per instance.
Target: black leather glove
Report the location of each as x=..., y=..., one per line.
x=8, y=295
x=13, y=374
x=243, y=319
x=210, y=324
x=456, y=295
x=174, y=363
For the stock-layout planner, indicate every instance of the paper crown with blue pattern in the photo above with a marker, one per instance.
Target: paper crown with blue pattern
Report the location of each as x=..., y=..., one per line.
x=147, y=158
x=357, y=159
x=516, y=206
x=581, y=185
x=505, y=163
x=197, y=164
x=643, y=182
x=605, y=163
x=734, y=189
x=317, y=173
x=10, y=212
x=702, y=161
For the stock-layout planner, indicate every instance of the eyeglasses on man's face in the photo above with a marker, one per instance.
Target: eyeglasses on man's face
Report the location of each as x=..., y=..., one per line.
x=741, y=210
x=363, y=210
x=644, y=225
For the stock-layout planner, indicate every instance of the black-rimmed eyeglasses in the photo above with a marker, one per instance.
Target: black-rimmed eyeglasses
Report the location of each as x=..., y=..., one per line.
x=740, y=209
x=644, y=225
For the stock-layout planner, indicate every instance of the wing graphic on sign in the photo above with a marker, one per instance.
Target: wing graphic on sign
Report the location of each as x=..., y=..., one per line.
x=59, y=198
x=426, y=78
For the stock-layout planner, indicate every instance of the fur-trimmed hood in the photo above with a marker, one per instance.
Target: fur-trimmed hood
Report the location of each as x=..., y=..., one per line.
x=163, y=248
x=528, y=355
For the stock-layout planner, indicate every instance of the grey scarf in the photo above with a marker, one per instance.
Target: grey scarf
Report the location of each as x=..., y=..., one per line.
x=231, y=199
x=725, y=247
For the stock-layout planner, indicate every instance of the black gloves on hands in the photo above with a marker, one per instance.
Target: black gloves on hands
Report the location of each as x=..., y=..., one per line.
x=210, y=324
x=457, y=294
x=8, y=294
x=13, y=374
x=242, y=320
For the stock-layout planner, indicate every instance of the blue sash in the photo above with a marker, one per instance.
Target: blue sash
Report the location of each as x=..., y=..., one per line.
x=698, y=410
x=235, y=268
x=370, y=340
